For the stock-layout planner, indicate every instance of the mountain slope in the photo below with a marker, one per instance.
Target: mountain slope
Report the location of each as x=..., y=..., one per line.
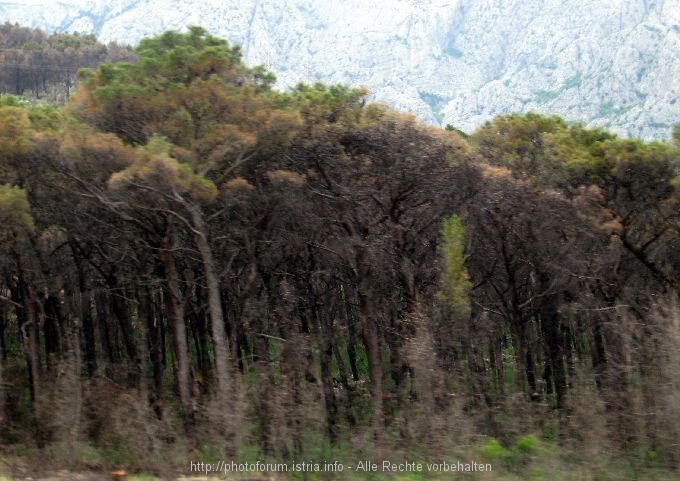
x=614, y=63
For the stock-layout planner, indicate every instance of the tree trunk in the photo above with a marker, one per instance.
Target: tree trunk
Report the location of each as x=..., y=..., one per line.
x=351, y=335
x=201, y=337
x=107, y=331
x=372, y=343
x=121, y=310
x=550, y=324
x=173, y=301
x=86, y=313
x=147, y=316
x=29, y=330
x=52, y=324
x=214, y=303
x=264, y=389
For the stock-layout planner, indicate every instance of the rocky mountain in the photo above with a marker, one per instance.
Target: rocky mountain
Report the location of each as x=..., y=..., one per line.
x=613, y=63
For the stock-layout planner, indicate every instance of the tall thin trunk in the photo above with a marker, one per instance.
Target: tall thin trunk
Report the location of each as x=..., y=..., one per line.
x=29, y=330
x=214, y=302
x=201, y=338
x=372, y=343
x=175, y=312
x=264, y=399
x=351, y=335
x=148, y=318
x=550, y=324
x=344, y=380
x=142, y=356
x=86, y=313
x=52, y=324
x=121, y=310
x=106, y=329
x=598, y=354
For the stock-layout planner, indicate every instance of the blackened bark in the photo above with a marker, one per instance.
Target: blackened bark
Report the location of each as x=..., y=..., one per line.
x=531, y=376
x=372, y=344
x=121, y=311
x=344, y=382
x=598, y=355
x=550, y=324
x=147, y=316
x=51, y=327
x=107, y=330
x=89, y=343
x=175, y=310
x=220, y=347
x=29, y=331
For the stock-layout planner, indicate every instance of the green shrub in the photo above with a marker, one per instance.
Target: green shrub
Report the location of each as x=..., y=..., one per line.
x=525, y=444
x=494, y=452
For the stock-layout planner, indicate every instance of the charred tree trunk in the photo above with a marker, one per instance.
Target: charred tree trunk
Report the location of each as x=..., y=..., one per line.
x=598, y=355
x=265, y=385
x=175, y=312
x=85, y=314
x=327, y=382
x=531, y=376
x=121, y=311
x=351, y=324
x=369, y=324
x=550, y=324
x=201, y=336
x=29, y=332
x=147, y=316
x=214, y=302
x=107, y=331
x=52, y=324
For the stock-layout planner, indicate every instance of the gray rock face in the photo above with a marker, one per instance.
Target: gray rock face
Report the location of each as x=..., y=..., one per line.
x=612, y=63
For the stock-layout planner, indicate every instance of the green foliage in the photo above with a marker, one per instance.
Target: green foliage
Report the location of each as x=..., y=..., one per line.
x=451, y=128
x=63, y=41
x=142, y=477
x=517, y=456
x=15, y=209
x=14, y=129
x=45, y=117
x=174, y=57
x=455, y=281
x=156, y=167
x=11, y=101
x=120, y=453
x=517, y=141
x=526, y=444
x=332, y=103
x=208, y=452
x=493, y=452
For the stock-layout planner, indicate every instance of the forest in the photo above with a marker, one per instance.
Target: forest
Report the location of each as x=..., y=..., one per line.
x=41, y=66
x=195, y=266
